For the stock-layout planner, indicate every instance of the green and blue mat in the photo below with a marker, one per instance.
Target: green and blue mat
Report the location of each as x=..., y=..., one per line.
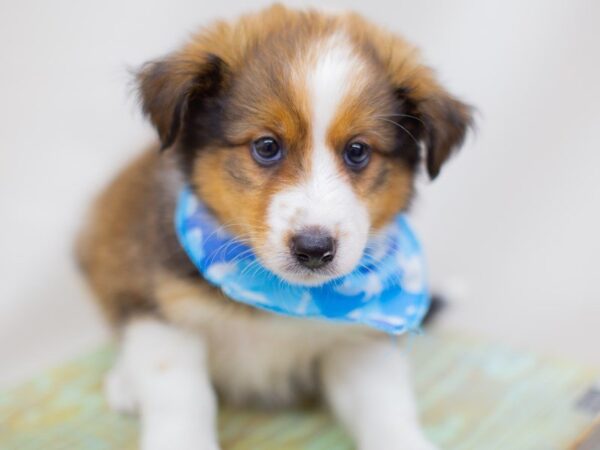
x=473, y=395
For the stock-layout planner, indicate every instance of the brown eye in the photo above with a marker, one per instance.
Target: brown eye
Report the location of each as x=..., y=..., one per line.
x=266, y=151
x=357, y=155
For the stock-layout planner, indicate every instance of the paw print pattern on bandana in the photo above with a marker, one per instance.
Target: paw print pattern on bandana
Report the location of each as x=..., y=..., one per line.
x=387, y=291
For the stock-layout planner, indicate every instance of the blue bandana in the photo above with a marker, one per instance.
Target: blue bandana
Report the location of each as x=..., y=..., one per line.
x=387, y=290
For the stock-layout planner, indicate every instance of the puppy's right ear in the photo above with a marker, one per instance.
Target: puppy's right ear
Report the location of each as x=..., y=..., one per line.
x=167, y=86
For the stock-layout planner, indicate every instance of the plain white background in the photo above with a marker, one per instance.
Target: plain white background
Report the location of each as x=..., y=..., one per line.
x=512, y=225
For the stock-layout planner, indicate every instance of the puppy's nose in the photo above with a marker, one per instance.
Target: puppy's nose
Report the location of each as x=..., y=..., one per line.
x=313, y=248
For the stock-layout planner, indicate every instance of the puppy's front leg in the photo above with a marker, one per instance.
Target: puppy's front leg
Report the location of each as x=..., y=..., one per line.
x=367, y=386
x=162, y=371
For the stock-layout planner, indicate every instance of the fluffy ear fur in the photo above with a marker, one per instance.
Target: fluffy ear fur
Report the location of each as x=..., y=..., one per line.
x=167, y=86
x=433, y=116
x=201, y=69
x=445, y=121
x=438, y=119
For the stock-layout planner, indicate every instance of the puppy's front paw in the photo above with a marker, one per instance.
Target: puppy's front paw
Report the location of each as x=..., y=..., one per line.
x=118, y=392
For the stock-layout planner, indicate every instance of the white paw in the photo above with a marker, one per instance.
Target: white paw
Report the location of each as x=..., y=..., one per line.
x=118, y=392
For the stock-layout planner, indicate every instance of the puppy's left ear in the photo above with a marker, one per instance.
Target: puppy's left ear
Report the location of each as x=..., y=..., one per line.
x=168, y=86
x=446, y=121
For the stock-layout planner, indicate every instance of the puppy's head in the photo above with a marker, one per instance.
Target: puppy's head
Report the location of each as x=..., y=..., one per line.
x=302, y=132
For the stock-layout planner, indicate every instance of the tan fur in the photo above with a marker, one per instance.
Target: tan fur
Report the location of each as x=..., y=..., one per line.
x=111, y=250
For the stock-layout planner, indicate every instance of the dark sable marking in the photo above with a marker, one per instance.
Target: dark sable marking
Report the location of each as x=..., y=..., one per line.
x=410, y=130
x=380, y=179
x=448, y=121
x=440, y=121
x=436, y=306
x=203, y=128
x=235, y=171
x=129, y=305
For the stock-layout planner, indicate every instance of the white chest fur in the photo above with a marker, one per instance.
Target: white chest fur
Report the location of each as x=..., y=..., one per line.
x=255, y=357
x=271, y=359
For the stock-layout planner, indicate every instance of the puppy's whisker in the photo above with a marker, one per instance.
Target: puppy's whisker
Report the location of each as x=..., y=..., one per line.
x=401, y=127
x=408, y=116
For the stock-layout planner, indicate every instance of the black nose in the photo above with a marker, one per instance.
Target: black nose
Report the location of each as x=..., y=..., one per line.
x=313, y=248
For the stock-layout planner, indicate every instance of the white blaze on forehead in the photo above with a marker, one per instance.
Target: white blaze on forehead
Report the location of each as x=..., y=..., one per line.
x=324, y=196
x=329, y=82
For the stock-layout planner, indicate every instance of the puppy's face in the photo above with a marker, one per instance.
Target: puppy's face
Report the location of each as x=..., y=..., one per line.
x=302, y=132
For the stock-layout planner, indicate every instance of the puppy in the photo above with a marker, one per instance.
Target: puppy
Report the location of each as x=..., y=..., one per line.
x=283, y=122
